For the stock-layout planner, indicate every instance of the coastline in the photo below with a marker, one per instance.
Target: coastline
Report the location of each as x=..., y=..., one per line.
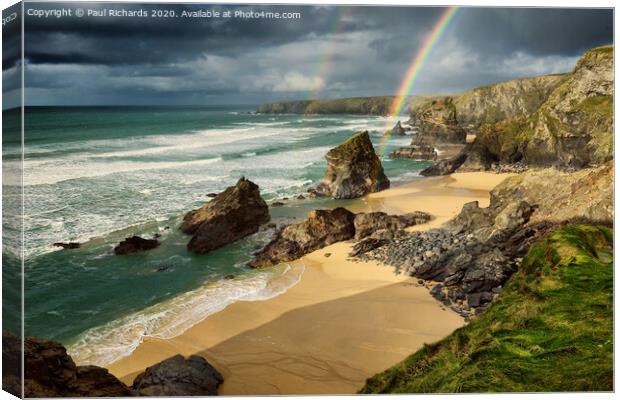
x=321, y=336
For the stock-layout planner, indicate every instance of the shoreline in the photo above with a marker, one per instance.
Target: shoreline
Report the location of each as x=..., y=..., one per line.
x=343, y=322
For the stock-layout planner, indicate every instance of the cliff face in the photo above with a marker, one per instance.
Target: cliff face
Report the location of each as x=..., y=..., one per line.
x=493, y=103
x=574, y=126
x=379, y=105
x=571, y=128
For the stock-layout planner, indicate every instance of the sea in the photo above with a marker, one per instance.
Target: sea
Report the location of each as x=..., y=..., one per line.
x=97, y=175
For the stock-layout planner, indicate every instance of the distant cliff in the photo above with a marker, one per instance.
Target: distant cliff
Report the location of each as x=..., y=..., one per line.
x=354, y=105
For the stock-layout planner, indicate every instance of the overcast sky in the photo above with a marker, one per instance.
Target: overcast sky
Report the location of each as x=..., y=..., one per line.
x=329, y=52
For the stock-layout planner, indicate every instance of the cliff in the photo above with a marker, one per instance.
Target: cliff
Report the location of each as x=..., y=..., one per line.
x=550, y=329
x=379, y=105
x=494, y=103
x=571, y=128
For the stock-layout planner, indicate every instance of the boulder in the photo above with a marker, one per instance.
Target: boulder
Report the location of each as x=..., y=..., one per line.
x=67, y=246
x=179, y=376
x=322, y=228
x=235, y=213
x=353, y=170
x=135, y=244
x=367, y=223
x=50, y=372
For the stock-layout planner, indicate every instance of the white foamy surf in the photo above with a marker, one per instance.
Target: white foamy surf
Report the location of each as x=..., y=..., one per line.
x=108, y=343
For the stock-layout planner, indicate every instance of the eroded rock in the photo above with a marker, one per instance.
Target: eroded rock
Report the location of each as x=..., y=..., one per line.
x=235, y=213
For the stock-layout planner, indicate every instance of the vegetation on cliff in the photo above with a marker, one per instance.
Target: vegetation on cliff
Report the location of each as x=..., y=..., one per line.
x=572, y=127
x=551, y=329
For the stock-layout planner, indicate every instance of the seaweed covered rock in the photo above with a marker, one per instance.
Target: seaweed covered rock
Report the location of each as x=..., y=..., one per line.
x=353, y=170
x=179, y=376
x=235, y=213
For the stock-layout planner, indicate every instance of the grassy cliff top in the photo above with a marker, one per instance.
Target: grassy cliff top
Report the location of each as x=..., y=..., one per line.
x=551, y=329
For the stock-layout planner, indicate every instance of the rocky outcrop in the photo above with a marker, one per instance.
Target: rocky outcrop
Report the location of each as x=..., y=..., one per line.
x=574, y=127
x=325, y=227
x=437, y=123
x=469, y=259
x=423, y=152
x=322, y=228
x=50, y=372
x=571, y=128
x=448, y=165
x=397, y=130
x=179, y=376
x=496, y=102
x=353, y=170
x=505, y=100
x=379, y=105
x=367, y=223
x=135, y=244
x=560, y=196
x=235, y=213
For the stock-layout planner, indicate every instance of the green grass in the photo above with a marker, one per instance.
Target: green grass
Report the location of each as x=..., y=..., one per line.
x=551, y=329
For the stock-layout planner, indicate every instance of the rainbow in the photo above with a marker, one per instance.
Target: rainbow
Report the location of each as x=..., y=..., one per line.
x=417, y=63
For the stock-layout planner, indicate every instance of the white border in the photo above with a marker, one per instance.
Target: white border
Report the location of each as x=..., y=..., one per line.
x=478, y=3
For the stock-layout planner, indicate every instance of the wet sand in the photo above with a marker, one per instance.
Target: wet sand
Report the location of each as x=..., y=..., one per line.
x=343, y=322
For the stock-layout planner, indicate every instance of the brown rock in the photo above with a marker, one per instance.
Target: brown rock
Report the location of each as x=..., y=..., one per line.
x=50, y=372
x=135, y=244
x=353, y=170
x=179, y=376
x=235, y=213
x=322, y=228
x=423, y=152
x=67, y=246
x=437, y=123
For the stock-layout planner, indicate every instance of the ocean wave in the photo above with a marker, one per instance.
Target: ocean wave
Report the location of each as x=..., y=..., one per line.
x=49, y=171
x=108, y=343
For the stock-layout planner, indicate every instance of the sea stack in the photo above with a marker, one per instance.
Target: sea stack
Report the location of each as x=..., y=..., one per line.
x=235, y=213
x=353, y=170
x=437, y=124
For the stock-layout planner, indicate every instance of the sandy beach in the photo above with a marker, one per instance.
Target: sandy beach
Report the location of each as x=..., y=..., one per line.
x=343, y=322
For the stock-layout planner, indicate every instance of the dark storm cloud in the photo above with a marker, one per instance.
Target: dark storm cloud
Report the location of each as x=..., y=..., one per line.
x=330, y=52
